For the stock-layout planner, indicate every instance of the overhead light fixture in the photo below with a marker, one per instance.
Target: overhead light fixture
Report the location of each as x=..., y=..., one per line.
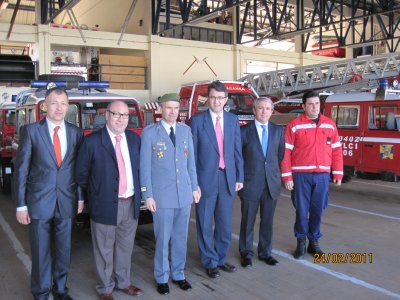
x=291, y=34
x=204, y=18
x=365, y=44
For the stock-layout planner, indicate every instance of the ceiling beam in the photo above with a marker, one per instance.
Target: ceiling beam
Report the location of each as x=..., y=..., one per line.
x=14, y=16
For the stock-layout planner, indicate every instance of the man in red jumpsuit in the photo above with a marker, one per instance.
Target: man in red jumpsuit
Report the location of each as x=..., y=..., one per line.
x=312, y=152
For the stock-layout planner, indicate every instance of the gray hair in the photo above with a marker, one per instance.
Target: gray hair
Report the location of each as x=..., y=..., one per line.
x=263, y=99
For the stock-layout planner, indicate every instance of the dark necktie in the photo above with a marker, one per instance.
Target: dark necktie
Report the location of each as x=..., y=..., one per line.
x=172, y=135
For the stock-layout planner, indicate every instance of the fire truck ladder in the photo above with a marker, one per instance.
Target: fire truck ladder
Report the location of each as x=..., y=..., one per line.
x=339, y=75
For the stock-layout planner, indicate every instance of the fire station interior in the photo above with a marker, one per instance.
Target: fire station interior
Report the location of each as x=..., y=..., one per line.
x=347, y=50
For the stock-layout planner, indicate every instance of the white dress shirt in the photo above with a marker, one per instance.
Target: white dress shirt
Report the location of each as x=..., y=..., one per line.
x=127, y=161
x=214, y=119
x=167, y=127
x=62, y=135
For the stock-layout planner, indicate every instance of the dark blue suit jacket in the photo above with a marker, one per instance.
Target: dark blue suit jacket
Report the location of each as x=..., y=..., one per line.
x=207, y=154
x=39, y=183
x=97, y=172
x=259, y=170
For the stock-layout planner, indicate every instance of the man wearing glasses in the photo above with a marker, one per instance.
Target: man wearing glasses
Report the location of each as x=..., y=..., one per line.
x=219, y=163
x=108, y=168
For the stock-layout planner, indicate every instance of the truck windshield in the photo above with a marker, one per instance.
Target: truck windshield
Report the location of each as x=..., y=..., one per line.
x=91, y=115
x=240, y=103
x=10, y=117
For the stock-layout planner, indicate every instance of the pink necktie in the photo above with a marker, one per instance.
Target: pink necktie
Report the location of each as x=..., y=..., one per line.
x=220, y=141
x=121, y=166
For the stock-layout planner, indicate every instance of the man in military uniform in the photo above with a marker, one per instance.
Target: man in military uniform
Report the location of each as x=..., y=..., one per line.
x=169, y=185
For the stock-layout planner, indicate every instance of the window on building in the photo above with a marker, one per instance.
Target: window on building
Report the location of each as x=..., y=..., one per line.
x=346, y=116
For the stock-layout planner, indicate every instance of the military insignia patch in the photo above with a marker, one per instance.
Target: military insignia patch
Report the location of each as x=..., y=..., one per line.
x=160, y=154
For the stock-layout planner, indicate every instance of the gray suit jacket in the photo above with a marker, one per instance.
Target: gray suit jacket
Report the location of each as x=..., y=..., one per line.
x=39, y=183
x=167, y=174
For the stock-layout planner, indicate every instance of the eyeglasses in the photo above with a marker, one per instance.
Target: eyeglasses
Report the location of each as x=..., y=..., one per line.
x=213, y=98
x=117, y=115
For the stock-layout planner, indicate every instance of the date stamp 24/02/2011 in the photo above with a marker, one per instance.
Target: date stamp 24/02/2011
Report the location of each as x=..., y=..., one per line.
x=343, y=258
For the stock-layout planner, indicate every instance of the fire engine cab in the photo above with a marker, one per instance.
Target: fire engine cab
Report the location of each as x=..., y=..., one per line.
x=369, y=128
x=7, y=127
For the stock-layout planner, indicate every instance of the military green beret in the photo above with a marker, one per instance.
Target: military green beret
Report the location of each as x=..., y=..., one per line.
x=169, y=97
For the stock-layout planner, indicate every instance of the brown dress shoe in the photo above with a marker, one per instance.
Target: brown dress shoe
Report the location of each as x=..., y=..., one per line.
x=132, y=291
x=106, y=297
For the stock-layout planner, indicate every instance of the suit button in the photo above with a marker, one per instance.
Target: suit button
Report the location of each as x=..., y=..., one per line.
x=115, y=190
x=176, y=159
x=177, y=181
x=177, y=170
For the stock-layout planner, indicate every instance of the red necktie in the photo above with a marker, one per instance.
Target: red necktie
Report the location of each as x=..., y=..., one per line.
x=121, y=167
x=57, y=146
x=220, y=141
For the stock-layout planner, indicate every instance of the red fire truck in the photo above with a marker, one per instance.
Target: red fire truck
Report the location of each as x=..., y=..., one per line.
x=369, y=128
x=88, y=102
x=7, y=128
x=193, y=98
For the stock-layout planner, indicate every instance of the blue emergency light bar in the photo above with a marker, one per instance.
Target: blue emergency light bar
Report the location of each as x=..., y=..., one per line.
x=68, y=84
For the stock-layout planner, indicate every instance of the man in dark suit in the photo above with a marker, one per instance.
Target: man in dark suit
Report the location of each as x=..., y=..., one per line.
x=219, y=163
x=263, y=146
x=47, y=195
x=108, y=169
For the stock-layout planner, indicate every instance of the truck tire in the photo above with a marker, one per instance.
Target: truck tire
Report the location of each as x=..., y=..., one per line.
x=6, y=184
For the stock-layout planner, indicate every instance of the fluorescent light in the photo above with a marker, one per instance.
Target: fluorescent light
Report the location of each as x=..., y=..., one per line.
x=291, y=34
x=371, y=43
x=204, y=18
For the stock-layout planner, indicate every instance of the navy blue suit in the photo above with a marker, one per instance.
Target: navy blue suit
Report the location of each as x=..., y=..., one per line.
x=262, y=186
x=97, y=172
x=217, y=187
x=51, y=195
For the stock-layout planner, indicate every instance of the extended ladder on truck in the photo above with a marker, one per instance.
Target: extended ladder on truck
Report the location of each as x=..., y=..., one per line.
x=340, y=75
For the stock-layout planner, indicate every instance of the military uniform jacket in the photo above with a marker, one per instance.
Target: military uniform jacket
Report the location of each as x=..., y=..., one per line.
x=168, y=173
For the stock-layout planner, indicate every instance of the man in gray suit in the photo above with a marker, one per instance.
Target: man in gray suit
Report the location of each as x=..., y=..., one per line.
x=263, y=147
x=47, y=195
x=169, y=185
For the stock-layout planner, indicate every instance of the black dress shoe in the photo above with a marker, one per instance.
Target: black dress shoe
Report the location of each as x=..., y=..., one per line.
x=163, y=288
x=300, y=249
x=269, y=260
x=313, y=248
x=65, y=296
x=227, y=268
x=183, y=284
x=212, y=272
x=246, y=262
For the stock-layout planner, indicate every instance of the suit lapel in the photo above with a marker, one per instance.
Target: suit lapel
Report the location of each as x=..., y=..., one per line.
x=270, y=136
x=106, y=142
x=209, y=129
x=44, y=133
x=68, y=131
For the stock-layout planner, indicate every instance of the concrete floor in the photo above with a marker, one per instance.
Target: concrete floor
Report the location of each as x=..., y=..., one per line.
x=363, y=217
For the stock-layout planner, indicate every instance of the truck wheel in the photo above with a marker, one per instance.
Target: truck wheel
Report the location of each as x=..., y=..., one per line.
x=6, y=183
